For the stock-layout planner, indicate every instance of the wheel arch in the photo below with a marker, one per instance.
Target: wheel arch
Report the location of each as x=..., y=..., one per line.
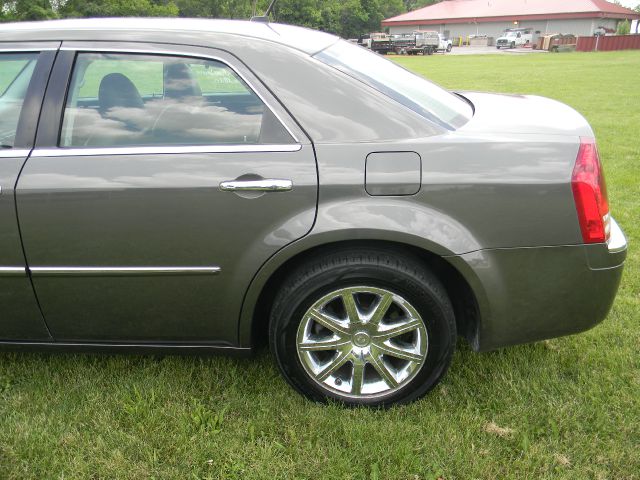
x=254, y=317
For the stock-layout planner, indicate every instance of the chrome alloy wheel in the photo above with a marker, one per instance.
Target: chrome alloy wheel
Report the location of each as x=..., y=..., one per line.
x=362, y=342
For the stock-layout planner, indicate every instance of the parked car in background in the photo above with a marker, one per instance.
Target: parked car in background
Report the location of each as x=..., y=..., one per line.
x=175, y=185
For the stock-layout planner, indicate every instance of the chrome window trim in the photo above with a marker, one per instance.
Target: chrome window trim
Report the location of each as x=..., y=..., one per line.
x=78, y=48
x=13, y=271
x=121, y=271
x=27, y=49
x=14, y=153
x=161, y=150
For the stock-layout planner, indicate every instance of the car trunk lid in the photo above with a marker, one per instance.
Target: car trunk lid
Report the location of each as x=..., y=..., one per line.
x=522, y=114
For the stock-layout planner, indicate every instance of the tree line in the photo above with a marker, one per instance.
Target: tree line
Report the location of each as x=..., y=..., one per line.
x=347, y=18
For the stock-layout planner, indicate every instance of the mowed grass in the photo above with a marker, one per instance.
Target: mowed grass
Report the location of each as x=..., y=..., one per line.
x=565, y=408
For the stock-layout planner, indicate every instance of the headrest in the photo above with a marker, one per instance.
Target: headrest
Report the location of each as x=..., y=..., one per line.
x=179, y=81
x=116, y=90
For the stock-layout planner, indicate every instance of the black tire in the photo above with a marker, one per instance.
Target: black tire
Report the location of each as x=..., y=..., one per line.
x=400, y=273
x=513, y=44
x=449, y=48
x=429, y=51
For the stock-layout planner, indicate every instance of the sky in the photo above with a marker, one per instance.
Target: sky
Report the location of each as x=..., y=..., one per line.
x=630, y=3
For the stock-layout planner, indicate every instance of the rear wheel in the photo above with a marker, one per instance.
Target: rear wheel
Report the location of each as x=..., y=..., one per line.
x=513, y=44
x=363, y=327
x=448, y=47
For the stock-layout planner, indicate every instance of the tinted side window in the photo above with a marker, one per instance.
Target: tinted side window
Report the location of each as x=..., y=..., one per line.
x=16, y=70
x=144, y=100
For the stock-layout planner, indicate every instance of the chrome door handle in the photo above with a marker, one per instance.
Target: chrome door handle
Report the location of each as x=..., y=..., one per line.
x=264, y=185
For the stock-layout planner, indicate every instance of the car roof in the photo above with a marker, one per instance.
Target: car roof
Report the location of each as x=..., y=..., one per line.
x=304, y=39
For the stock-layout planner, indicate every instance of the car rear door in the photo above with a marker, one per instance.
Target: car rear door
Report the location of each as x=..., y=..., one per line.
x=24, y=70
x=162, y=178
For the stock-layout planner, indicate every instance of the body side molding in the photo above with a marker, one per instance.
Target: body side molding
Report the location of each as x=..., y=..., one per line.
x=122, y=271
x=13, y=271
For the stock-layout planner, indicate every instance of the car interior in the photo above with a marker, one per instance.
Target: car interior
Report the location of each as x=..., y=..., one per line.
x=181, y=115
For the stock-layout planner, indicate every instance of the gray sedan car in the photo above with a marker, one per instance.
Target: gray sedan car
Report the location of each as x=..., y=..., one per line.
x=208, y=186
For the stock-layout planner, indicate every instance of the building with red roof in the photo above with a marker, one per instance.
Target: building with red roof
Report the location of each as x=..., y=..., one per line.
x=461, y=18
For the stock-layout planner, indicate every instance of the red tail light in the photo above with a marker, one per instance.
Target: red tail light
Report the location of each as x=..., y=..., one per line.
x=590, y=193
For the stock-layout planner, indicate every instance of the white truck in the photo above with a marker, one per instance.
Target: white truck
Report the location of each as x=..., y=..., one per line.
x=444, y=44
x=515, y=37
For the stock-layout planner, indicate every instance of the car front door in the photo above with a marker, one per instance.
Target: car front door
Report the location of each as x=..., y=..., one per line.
x=162, y=178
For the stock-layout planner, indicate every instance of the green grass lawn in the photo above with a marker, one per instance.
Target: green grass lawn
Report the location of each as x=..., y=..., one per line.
x=565, y=408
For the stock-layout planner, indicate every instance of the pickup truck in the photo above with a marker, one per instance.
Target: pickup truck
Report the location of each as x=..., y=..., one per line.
x=513, y=38
x=444, y=44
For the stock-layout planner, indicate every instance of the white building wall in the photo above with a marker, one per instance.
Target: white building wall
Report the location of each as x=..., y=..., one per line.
x=585, y=26
x=580, y=27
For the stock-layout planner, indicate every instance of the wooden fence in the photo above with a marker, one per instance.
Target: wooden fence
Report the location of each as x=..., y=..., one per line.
x=605, y=44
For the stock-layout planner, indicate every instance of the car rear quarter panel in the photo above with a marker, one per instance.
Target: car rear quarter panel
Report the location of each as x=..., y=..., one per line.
x=498, y=208
x=497, y=205
x=477, y=191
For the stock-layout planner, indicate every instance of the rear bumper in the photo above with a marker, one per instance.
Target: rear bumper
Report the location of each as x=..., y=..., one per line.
x=530, y=294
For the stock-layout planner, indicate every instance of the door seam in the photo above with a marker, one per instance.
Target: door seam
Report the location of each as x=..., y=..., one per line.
x=15, y=201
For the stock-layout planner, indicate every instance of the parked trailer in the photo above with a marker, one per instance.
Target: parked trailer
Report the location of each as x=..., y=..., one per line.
x=426, y=42
x=403, y=42
x=415, y=43
x=418, y=42
x=556, y=42
x=381, y=43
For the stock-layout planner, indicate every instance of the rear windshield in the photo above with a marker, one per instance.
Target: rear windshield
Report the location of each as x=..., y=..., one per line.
x=412, y=91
